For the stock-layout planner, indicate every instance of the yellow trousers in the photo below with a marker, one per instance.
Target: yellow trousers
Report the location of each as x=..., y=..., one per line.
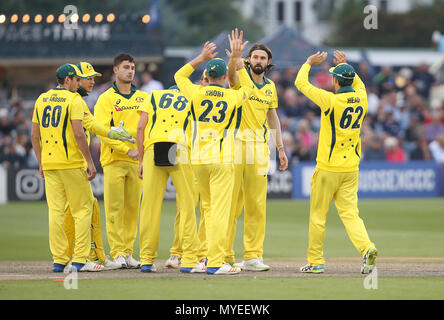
x=176, y=248
x=97, y=251
x=215, y=183
x=154, y=185
x=69, y=186
x=122, y=192
x=250, y=192
x=342, y=187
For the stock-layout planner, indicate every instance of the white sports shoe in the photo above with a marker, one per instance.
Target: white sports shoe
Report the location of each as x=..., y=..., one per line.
x=200, y=268
x=109, y=264
x=131, y=262
x=239, y=264
x=255, y=264
x=91, y=267
x=228, y=269
x=173, y=262
x=121, y=261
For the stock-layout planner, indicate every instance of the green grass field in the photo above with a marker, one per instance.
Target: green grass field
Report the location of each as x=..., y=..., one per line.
x=399, y=228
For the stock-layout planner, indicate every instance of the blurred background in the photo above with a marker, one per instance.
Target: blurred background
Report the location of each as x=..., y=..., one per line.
x=400, y=60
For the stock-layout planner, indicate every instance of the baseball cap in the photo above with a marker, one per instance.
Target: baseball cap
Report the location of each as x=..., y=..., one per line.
x=343, y=71
x=68, y=70
x=216, y=68
x=87, y=69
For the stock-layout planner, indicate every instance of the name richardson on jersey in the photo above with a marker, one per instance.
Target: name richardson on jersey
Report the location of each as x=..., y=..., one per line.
x=214, y=93
x=54, y=98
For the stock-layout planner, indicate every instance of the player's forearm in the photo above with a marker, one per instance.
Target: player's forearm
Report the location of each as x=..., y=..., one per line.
x=302, y=82
x=90, y=124
x=141, y=134
x=358, y=85
x=116, y=145
x=197, y=61
x=275, y=126
x=35, y=141
x=233, y=77
x=181, y=77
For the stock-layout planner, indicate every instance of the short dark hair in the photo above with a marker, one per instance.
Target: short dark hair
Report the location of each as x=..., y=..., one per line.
x=123, y=57
x=260, y=46
x=345, y=82
x=61, y=81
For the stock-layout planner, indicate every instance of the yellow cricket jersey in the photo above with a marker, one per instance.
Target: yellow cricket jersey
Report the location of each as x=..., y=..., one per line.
x=168, y=117
x=53, y=112
x=215, y=117
x=254, y=126
x=111, y=108
x=339, y=148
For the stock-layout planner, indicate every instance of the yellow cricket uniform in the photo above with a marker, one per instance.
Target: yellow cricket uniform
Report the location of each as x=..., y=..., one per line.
x=97, y=251
x=213, y=109
x=339, y=152
x=66, y=179
x=168, y=118
x=122, y=187
x=251, y=169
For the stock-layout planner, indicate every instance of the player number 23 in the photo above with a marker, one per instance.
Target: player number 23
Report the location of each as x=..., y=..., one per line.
x=223, y=105
x=347, y=117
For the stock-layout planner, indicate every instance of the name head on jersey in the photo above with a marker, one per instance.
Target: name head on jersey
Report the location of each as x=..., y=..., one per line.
x=87, y=69
x=344, y=72
x=216, y=68
x=69, y=70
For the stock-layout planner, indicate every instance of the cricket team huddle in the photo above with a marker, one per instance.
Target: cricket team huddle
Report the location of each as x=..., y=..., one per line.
x=212, y=141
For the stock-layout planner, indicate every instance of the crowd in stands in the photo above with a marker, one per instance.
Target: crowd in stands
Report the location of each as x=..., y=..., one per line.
x=403, y=123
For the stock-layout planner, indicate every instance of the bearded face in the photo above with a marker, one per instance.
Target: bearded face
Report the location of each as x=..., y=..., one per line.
x=258, y=61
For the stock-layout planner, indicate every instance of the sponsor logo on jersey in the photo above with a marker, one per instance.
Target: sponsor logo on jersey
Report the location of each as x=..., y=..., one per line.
x=268, y=93
x=139, y=99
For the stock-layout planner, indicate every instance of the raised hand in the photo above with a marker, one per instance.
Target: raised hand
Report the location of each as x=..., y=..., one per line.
x=317, y=58
x=236, y=45
x=208, y=51
x=339, y=57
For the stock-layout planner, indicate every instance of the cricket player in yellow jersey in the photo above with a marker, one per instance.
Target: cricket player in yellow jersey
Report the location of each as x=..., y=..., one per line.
x=173, y=261
x=214, y=111
x=61, y=148
x=252, y=155
x=339, y=152
x=163, y=153
x=122, y=186
x=97, y=253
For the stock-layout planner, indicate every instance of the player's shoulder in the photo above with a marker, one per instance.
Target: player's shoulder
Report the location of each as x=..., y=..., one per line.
x=269, y=82
x=141, y=93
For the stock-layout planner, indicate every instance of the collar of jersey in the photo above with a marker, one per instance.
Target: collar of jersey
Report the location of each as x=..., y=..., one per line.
x=126, y=96
x=216, y=85
x=82, y=92
x=259, y=86
x=346, y=89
